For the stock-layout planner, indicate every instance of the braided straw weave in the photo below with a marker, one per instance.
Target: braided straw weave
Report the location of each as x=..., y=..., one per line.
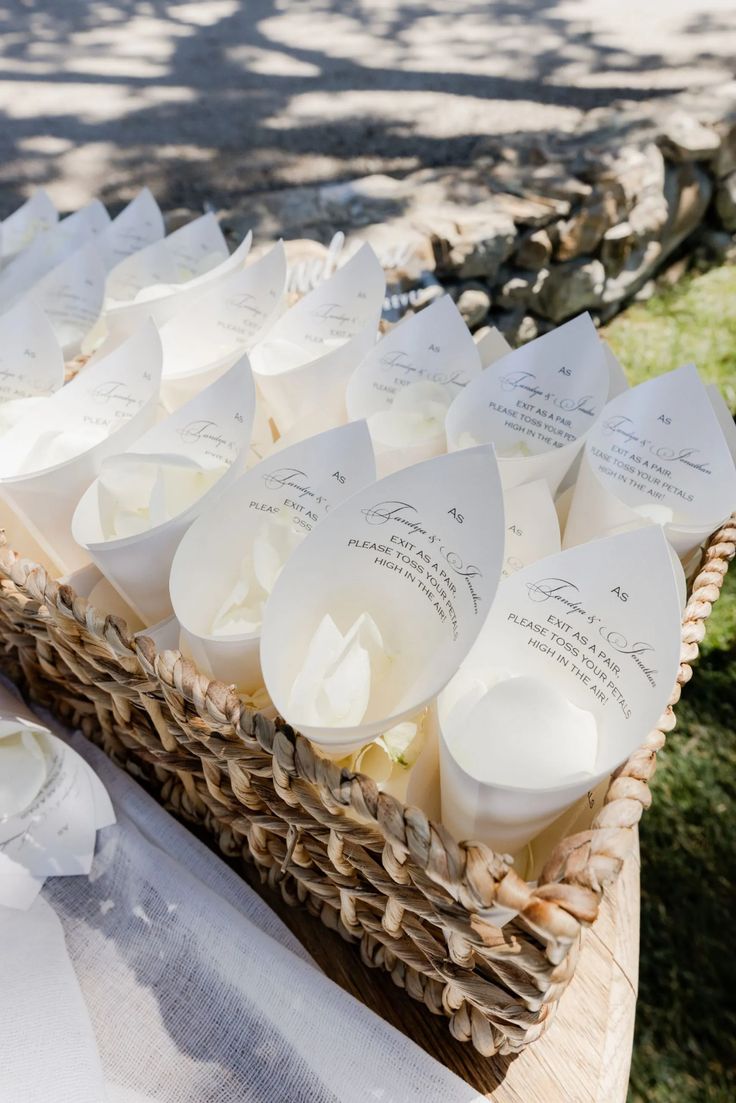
x=372, y=869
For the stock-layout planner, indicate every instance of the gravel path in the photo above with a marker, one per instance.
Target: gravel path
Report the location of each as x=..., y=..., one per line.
x=206, y=101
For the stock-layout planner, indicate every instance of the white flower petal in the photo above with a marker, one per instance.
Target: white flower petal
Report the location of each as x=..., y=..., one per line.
x=22, y=771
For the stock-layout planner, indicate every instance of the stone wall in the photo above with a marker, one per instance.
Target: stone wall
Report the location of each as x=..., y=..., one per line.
x=531, y=235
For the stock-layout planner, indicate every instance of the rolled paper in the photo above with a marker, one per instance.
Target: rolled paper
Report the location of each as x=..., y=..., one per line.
x=71, y=296
x=51, y=806
x=617, y=381
x=31, y=361
x=573, y=667
x=536, y=405
x=138, y=225
x=405, y=384
x=132, y=518
x=240, y=546
x=303, y=365
x=190, y=251
x=200, y=342
x=532, y=527
x=492, y=346
x=49, y=249
x=414, y=561
x=162, y=301
x=53, y=454
x=19, y=229
x=724, y=415
x=657, y=456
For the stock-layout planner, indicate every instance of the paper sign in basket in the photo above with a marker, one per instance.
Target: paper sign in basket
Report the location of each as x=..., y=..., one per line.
x=51, y=806
x=31, y=361
x=138, y=225
x=51, y=248
x=53, y=454
x=133, y=516
x=229, y=559
x=18, y=230
x=572, y=669
x=384, y=600
x=188, y=252
x=71, y=296
x=406, y=383
x=202, y=340
x=536, y=405
x=160, y=302
x=303, y=365
x=658, y=455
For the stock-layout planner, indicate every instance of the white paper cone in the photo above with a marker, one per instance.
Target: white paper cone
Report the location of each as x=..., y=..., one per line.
x=532, y=528
x=309, y=354
x=420, y=554
x=101, y=412
x=19, y=229
x=190, y=251
x=600, y=626
x=31, y=361
x=200, y=342
x=211, y=431
x=617, y=381
x=138, y=225
x=49, y=249
x=405, y=384
x=658, y=455
x=163, y=301
x=71, y=296
x=724, y=415
x=539, y=401
x=301, y=483
x=492, y=346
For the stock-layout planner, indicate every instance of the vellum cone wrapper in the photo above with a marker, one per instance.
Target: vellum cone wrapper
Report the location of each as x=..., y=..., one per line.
x=51, y=806
x=191, y=251
x=658, y=456
x=572, y=669
x=303, y=365
x=532, y=527
x=535, y=405
x=138, y=225
x=132, y=518
x=50, y=457
x=71, y=296
x=31, y=362
x=406, y=383
x=228, y=562
x=20, y=228
x=200, y=342
x=492, y=346
x=162, y=301
x=50, y=249
x=414, y=561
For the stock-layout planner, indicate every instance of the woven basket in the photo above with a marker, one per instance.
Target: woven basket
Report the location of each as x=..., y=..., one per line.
x=374, y=870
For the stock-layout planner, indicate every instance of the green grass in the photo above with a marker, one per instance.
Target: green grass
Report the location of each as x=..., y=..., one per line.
x=685, y=1045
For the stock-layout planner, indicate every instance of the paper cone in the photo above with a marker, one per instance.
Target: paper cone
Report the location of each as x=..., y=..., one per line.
x=31, y=361
x=190, y=251
x=138, y=225
x=427, y=360
x=597, y=625
x=532, y=528
x=201, y=342
x=50, y=249
x=301, y=483
x=541, y=399
x=212, y=431
x=19, y=229
x=415, y=558
x=103, y=410
x=658, y=455
x=492, y=346
x=71, y=296
x=303, y=365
